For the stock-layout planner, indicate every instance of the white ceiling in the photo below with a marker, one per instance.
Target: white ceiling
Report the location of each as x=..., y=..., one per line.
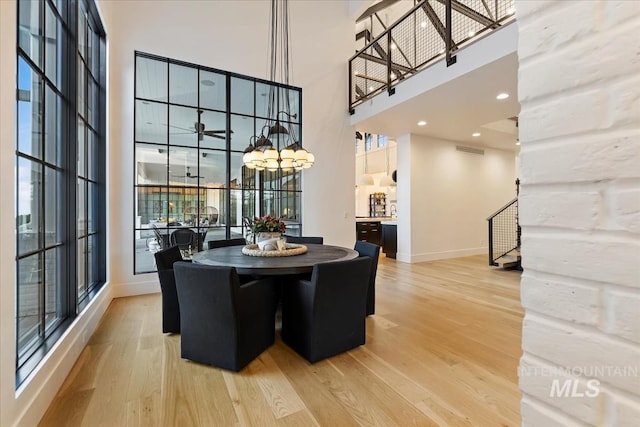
x=458, y=108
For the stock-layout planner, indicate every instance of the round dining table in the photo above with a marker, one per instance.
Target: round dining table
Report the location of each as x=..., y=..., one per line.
x=232, y=256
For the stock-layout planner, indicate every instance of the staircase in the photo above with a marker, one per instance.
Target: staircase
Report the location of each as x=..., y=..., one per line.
x=505, y=235
x=509, y=260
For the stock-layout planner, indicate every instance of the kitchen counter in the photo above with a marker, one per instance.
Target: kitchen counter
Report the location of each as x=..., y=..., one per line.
x=389, y=222
x=373, y=219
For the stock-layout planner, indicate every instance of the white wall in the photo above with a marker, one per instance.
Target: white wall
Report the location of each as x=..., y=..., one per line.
x=579, y=87
x=450, y=194
x=8, y=406
x=232, y=35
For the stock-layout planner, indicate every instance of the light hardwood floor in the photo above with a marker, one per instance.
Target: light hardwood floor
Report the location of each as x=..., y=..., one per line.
x=442, y=349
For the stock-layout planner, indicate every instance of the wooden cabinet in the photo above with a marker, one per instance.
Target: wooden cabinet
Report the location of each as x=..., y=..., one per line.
x=369, y=231
x=390, y=240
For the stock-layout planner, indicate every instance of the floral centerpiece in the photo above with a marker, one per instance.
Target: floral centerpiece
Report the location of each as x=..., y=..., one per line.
x=267, y=227
x=268, y=224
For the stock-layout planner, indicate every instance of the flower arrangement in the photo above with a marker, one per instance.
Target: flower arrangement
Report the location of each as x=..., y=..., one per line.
x=268, y=224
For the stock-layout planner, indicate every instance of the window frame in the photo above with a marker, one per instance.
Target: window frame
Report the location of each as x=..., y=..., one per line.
x=266, y=187
x=62, y=84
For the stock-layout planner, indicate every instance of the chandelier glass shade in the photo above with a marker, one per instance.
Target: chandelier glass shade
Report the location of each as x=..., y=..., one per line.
x=279, y=149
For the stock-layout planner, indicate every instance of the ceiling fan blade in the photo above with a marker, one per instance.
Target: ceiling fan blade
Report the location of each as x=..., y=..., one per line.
x=179, y=127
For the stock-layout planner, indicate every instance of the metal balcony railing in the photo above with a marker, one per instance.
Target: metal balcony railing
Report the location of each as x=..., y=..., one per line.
x=431, y=30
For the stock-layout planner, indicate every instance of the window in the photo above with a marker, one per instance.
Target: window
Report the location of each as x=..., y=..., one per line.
x=58, y=225
x=382, y=141
x=368, y=139
x=192, y=124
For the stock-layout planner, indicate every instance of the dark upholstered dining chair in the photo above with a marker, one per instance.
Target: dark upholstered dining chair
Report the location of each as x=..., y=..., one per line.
x=239, y=241
x=165, y=259
x=225, y=243
x=372, y=251
x=184, y=238
x=226, y=324
x=304, y=239
x=326, y=315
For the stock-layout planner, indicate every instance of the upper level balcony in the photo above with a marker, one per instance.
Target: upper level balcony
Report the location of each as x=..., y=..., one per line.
x=431, y=31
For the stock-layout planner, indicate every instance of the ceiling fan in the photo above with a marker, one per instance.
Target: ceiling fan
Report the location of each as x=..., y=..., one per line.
x=199, y=128
x=188, y=174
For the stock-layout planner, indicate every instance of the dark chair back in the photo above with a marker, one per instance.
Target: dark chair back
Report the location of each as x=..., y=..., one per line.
x=326, y=316
x=366, y=249
x=227, y=325
x=165, y=259
x=184, y=238
x=224, y=243
x=305, y=239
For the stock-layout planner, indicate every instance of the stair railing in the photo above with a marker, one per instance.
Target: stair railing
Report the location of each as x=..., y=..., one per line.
x=430, y=30
x=503, y=231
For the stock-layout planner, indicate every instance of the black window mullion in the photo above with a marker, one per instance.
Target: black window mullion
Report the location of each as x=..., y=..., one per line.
x=70, y=130
x=227, y=215
x=42, y=208
x=199, y=154
x=167, y=187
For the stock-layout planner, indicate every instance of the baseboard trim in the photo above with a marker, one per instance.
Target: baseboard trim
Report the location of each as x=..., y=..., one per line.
x=434, y=256
x=136, y=288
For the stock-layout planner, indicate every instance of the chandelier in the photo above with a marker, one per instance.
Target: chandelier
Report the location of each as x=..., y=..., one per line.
x=287, y=154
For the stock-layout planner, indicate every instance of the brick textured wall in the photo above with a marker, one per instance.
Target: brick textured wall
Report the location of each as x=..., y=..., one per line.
x=579, y=88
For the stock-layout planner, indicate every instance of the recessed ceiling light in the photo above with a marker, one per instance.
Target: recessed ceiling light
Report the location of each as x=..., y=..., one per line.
x=472, y=33
x=502, y=96
x=476, y=134
x=511, y=11
x=393, y=75
x=441, y=51
x=517, y=142
x=370, y=88
x=393, y=46
x=423, y=24
x=422, y=123
x=207, y=83
x=355, y=73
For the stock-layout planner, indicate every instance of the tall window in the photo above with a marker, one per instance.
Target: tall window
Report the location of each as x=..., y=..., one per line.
x=382, y=141
x=60, y=159
x=368, y=141
x=192, y=124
